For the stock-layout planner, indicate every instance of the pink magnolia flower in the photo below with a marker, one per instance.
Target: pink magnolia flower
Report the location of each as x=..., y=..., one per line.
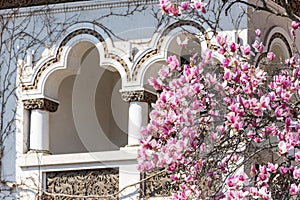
x=283, y=170
x=271, y=56
x=272, y=167
x=254, y=192
x=294, y=189
x=296, y=173
x=246, y=49
x=221, y=50
x=293, y=32
x=295, y=24
x=173, y=62
x=297, y=156
x=164, y=72
x=253, y=170
x=174, y=10
x=165, y=6
x=259, y=47
x=157, y=85
x=226, y=62
x=257, y=139
x=197, y=4
x=282, y=146
x=221, y=40
x=185, y=5
x=233, y=46
x=258, y=32
x=231, y=182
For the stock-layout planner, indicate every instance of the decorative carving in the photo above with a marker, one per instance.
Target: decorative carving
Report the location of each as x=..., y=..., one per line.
x=140, y=95
x=141, y=62
x=122, y=62
x=97, y=182
x=42, y=104
x=158, y=185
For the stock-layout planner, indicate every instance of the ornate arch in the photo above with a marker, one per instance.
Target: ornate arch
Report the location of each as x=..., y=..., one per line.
x=62, y=46
x=159, y=44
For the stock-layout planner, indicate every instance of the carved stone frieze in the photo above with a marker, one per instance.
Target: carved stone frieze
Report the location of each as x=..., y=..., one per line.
x=41, y=103
x=140, y=95
x=95, y=182
x=158, y=185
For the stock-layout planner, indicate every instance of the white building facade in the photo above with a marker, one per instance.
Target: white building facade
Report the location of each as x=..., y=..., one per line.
x=83, y=94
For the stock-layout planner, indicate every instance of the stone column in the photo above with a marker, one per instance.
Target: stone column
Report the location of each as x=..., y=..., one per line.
x=39, y=123
x=138, y=116
x=138, y=113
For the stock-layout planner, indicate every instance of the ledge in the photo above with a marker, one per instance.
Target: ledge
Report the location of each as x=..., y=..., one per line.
x=42, y=160
x=69, y=6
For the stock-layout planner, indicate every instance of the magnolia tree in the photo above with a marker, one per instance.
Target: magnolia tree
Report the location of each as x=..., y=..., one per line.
x=212, y=124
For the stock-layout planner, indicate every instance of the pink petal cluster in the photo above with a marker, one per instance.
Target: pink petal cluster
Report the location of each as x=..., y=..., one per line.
x=210, y=124
x=295, y=26
x=199, y=5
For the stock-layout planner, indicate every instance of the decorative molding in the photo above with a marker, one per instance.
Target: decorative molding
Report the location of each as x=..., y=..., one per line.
x=141, y=62
x=8, y=4
x=4, y=4
x=140, y=96
x=175, y=25
x=63, y=8
x=59, y=54
x=98, y=182
x=281, y=37
x=122, y=62
x=41, y=104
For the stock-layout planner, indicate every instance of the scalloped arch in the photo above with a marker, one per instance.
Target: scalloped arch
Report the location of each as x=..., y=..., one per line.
x=157, y=51
x=59, y=56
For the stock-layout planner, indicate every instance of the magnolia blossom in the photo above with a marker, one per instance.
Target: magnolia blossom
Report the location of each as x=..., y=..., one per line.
x=210, y=122
x=258, y=32
x=259, y=47
x=199, y=5
x=294, y=189
x=295, y=24
x=271, y=56
x=185, y=5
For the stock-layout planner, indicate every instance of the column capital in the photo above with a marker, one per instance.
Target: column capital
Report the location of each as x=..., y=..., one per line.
x=41, y=104
x=139, y=95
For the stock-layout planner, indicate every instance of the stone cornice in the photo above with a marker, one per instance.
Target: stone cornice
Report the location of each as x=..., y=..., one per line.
x=139, y=95
x=58, y=6
x=4, y=4
x=41, y=104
